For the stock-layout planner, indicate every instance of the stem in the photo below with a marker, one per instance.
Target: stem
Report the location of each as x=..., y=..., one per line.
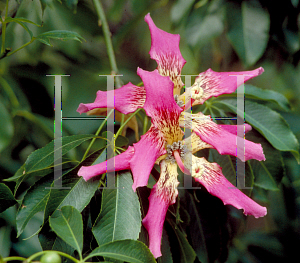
x=13, y=258
x=121, y=128
x=107, y=37
x=145, y=124
x=123, y=119
x=28, y=43
x=10, y=93
x=97, y=133
x=4, y=28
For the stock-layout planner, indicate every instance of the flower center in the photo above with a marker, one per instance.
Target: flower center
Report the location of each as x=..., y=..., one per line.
x=197, y=91
x=176, y=146
x=175, y=152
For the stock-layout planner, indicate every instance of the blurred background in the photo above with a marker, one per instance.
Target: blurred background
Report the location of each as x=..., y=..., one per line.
x=218, y=34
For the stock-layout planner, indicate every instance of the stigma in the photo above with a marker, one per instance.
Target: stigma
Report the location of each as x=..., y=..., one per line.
x=175, y=152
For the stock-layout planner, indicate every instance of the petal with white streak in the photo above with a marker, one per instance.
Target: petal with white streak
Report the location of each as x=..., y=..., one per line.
x=117, y=163
x=165, y=50
x=211, y=83
x=126, y=99
x=161, y=107
x=162, y=195
x=211, y=177
x=146, y=151
x=223, y=141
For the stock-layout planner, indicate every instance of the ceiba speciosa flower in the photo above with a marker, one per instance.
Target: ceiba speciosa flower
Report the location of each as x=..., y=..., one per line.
x=163, y=143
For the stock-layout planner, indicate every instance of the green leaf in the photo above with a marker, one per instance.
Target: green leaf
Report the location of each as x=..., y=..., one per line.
x=180, y=9
x=120, y=141
x=198, y=240
x=7, y=127
x=71, y=4
x=68, y=225
x=58, y=34
x=35, y=200
x=205, y=23
x=187, y=253
x=165, y=249
x=5, y=241
x=228, y=164
x=38, y=197
x=268, y=173
x=120, y=215
x=43, y=158
x=269, y=123
x=10, y=19
x=50, y=241
x=253, y=92
x=20, y=19
x=44, y=4
x=248, y=29
x=79, y=193
x=6, y=198
x=116, y=11
x=127, y=250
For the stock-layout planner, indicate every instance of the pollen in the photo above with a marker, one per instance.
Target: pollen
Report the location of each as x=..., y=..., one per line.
x=176, y=146
x=197, y=91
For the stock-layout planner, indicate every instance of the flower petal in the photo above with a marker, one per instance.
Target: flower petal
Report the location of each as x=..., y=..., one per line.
x=162, y=195
x=211, y=83
x=235, y=129
x=216, y=184
x=194, y=144
x=126, y=99
x=121, y=162
x=165, y=50
x=146, y=151
x=223, y=141
x=161, y=107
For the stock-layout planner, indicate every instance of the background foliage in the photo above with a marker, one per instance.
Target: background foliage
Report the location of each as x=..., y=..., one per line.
x=219, y=34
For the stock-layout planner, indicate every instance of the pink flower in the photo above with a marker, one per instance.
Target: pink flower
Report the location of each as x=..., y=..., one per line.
x=160, y=98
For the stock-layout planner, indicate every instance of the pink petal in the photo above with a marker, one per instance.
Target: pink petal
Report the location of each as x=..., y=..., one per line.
x=146, y=151
x=223, y=141
x=121, y=162
x=234, y=128
x=163, y=194
x=154, y=221
x=216, y=184
x=165, y=50
x=161, y=106
x=218, y=83
x=126, y=99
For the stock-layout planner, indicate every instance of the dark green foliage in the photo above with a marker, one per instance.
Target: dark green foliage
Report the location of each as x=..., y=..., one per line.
x=104, y=225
